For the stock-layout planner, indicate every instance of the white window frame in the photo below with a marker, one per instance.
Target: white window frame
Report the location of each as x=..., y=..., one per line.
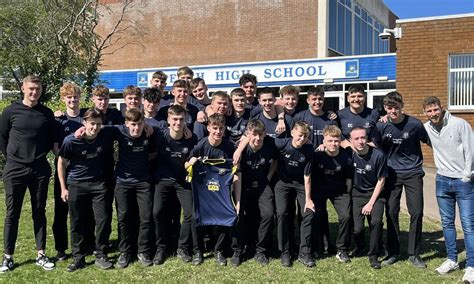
x=465, y=92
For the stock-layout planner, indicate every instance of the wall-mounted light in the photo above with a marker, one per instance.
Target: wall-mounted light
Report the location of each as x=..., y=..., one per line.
x=396, y=32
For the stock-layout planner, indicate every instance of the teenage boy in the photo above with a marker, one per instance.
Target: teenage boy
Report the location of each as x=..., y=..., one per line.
x=158, y=80
x=150, y=101
x=248, y=83
x=370, y=170
x=27, y=130
x=170, y=179
x=294, y=174
x=83, y=187
x=356, y=114
x=400, y=139
x=199, y=93
x=332, y=180
x=219, y=104
x=450, y=138
x=132, y=95
x=257, y=165
x=100, y=98
x=215, y=146
x=269, y=115
x=289, y=97
x=67, y=123
x=236, y=123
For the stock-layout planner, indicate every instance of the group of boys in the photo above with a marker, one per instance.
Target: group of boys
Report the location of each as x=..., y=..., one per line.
x=287, y=156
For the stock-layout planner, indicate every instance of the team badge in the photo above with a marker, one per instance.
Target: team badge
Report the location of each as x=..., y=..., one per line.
x=145, y=142
x=406, y=135
x=301, y=159
x=185, y=150
x=84, y=152
x=368, y=168
x=99, y=149
x=213, y=185
x=130, y=143
x=222, y=172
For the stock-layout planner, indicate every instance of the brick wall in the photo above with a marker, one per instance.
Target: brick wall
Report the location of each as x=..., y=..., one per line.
x=422, y=63
x=176, y=33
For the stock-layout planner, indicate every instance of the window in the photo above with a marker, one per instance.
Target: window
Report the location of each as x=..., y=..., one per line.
x=461, y=81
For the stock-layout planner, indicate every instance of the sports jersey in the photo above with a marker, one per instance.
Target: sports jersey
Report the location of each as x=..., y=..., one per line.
x=66, y=125
x=203, y=149
x=316, y=124
x=368, y=169
x=367, y=119
x=401, y=143
x=211, y=182
x=112, y=116
x=330, y=173
x=159, y=124
x=255, y=165
x=191, y=115
x=235, y=126
x=293, y=163
x=271, y=124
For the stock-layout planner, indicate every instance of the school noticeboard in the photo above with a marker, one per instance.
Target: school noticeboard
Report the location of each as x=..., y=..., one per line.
x=265, y=72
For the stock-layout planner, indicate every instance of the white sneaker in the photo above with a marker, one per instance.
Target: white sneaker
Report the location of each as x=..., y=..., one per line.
x=43, y=261
x=468, y=275
x=447, y=266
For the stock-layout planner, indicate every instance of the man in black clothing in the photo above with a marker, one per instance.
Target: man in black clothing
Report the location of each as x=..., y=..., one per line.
x=27, y=131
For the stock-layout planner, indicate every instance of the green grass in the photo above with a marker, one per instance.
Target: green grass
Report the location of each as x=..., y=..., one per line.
x=326, y=270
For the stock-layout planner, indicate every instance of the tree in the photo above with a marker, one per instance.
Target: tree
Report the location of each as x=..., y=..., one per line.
x=60, y=40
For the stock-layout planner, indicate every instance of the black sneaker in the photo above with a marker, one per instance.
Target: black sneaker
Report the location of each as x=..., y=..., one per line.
x=76, y=265
x=236, y=258
x=261, y=258
x=44, y=262
x=306, y=259
x=7, y=264
x=123, y=261
x=103, y=262
x=61, y=256
x=416, y=261
x=391, y=259
x=285, y=259
x=343, y=257
x=198, y=258
x=159, y=257
x=358, y=252
x=220, y=259
x=144, y=259
x=374, y=262
x=183, y=254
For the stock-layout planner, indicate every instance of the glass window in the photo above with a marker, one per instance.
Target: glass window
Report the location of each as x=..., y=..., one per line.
x=363, y=40
x=369, y=39
x=364, y=15
x=357, y=35
x=340, y=28
x=331, y=103
x=369, y=20
x=349, y=3
x=376, y=41
x=348, y=33
x=461, y=81
x=332, y=23
x=357, y=10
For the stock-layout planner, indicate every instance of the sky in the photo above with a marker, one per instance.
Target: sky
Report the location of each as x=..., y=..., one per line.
x=406, y=9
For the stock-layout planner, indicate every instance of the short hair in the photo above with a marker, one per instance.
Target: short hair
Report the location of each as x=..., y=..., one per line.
x=316, y=91
x=93, y=113
x=357, y=128
x=303, y=125
x=256, y=125
x=185, y=70
x=152, y=95
x=131, y=90
x=431, y=100
x=237, y=92
x=290, y=90
x=134, y=115
x=332, y=130
x=100, y=91
x=216, y=119
x=69, y=88
x=245, y=78
x=356, y=89
x=266, y=90
x=181, y=84
x=195, y=83
x=160, y=75
x=220, y=94
x=176, y=110
x=33, y=79
x=392, y=98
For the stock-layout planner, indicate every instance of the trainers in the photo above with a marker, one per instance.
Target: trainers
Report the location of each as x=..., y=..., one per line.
x=374, y=262
x=159, y=257
x=61, y=255
x=103, y=262
x=183, y=254
x=7, y=264
x=342, y=256
x=144, y=259
x=416, y=261
x=358, y=252
x=468, y=275
x=220, y=259
x=391, y=259
x=261, y=258
x=447, y=266
x=123, y=260
x=198, y=258
x=236, y=258
x=76, y=265
x=285, y=259
x=306, y=259
x=43, y=261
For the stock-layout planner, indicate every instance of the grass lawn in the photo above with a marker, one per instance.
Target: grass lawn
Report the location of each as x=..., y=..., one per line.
x=326, y=270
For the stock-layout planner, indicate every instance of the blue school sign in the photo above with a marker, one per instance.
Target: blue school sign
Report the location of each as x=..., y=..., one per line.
x=269, y=73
